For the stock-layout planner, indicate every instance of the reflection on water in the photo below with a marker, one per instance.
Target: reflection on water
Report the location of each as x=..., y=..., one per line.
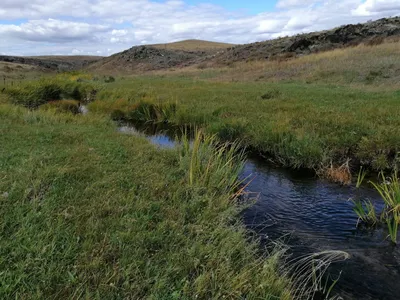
x=315, y=215
x=159, y=139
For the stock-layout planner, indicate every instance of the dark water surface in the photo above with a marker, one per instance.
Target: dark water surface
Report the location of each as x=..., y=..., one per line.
x=314, y=215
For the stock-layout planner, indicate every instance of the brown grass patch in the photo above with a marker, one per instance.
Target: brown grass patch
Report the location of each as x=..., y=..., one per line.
x=336, y=174
x=375, y=41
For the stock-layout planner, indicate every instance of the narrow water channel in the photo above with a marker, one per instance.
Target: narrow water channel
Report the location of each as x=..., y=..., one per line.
x=314, y=215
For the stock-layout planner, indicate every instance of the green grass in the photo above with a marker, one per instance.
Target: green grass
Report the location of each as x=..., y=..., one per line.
x=389, y=190
x=298, y=125
x=87, y=212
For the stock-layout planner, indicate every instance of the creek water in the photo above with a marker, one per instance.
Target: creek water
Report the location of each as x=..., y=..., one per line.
x=312, y=215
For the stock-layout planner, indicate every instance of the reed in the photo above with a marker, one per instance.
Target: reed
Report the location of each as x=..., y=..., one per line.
x=308, y=274
x=389, y=190
x=211, y=163
x=366, y=212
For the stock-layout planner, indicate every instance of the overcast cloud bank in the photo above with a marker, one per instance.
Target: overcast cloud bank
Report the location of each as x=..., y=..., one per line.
x=103, y=27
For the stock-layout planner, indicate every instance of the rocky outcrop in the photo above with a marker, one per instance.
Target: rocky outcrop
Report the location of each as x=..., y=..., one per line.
x=149, y=58
x=343, y=36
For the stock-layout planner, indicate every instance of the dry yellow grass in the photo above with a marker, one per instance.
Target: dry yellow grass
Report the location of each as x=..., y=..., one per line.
x=15, y=72
x=193, y=45
x=375, y=66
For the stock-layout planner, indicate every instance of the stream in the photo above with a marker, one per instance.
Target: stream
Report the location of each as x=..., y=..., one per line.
x=312, y=215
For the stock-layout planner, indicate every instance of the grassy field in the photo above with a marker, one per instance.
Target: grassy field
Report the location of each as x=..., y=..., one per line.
x=295, y=124
x=87, y=212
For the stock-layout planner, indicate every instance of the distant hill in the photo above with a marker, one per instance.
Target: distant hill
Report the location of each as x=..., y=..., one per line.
x=146, y=58
x=192, y=52
x=51, y=63
x=193, y=45
x=160, y=56
x=69, y=58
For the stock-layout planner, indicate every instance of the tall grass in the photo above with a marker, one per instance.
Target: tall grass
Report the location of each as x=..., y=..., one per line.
x=308, y=274
x=210, y=163
x=36, y=93
x=389, y=190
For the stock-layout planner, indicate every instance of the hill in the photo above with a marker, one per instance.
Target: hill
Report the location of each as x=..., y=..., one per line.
x=186, y=53
x=146, y=58
x=344, y=36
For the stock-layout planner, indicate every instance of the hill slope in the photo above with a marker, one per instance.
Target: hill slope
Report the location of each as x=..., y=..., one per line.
x=52, y=63
x=348, y=35
x=145, y=58
x=193, y=45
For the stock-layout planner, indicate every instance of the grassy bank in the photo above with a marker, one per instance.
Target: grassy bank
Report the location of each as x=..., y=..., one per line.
x=87, y=212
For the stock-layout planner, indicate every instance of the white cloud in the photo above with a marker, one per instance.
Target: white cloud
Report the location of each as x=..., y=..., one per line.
x=295, y=3
x=51, y=30
x=375, y=7
x=109, y=26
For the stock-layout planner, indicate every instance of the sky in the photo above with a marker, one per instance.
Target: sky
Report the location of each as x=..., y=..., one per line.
x=104, y=27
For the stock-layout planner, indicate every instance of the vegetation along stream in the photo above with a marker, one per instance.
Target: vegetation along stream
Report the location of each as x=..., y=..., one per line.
x=312, y=215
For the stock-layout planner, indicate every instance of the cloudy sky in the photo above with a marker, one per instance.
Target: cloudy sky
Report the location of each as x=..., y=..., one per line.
x=103, y=27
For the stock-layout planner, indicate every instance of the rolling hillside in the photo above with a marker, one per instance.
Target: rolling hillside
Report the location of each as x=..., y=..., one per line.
x=206, y=54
